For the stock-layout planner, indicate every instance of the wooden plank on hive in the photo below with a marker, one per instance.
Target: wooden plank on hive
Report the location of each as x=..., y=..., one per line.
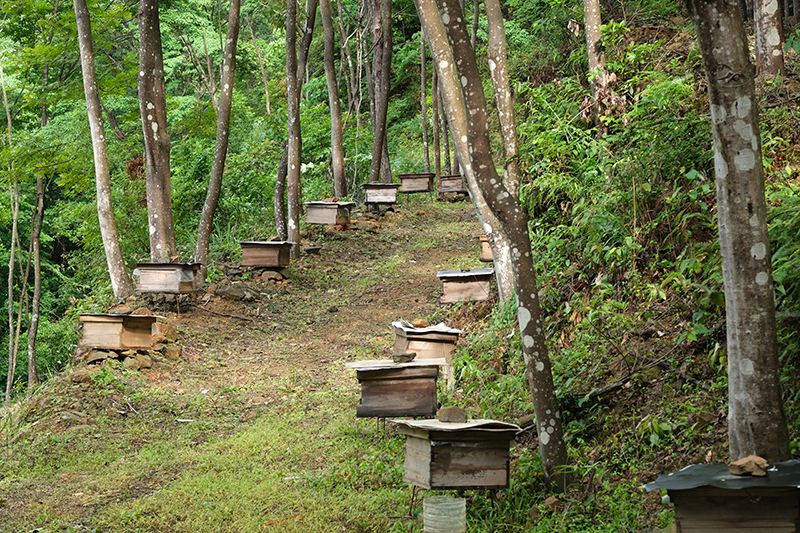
x=468, y=465
x=398, y=397
x=417, y=462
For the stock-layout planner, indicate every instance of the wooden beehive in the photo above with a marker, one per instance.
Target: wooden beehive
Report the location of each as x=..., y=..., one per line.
x=117, y=332
x=268, y=254
x=438, y=342
x=453, y=184
x=486, y=250
x=465, y=286
x=380, y=193
x=418, y=182
x=709, y=499
x=177, y=278
x=446, y=455
x=397, y=389
x=328, y=212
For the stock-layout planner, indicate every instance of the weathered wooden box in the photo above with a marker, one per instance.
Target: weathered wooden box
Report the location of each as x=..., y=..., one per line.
x=710, y=499
x=380, y=193
x=418, y=182
x=445, y=455
x=117, y=332
x=177, y=278
x=269, y=254
x=465, y=286
x=486, y=250
x=402, y=389
x=454, y=184
x=437, y=342
x=328, y=212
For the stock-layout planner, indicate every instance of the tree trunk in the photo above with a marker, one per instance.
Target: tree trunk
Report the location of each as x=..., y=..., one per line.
x=293, y=147
x=260, y=62
x=597, y=63
x=498, y=66
x=768, y=37
x=382, y=61
x=476, y=153
x=337, y=138
x=476, y=4
x=756, y=421
x=206, y=223
x=33, y=327
x=13, y=190
x=120, y=281
x=437, y=150
x=424, y=100
x=153, y=107
x=444, y=137
x=279, y=196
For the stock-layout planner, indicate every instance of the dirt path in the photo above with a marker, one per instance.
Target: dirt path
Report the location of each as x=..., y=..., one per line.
x=241, y=361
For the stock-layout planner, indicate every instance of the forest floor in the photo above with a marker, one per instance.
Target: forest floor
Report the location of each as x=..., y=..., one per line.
x=253, y=427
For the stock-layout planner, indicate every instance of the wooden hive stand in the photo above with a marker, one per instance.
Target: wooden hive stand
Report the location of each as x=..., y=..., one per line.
x=380, y=193
x=266, y=254
x=117, y=332
x=178, y=278
x=449, y=455
x=486, y=250
x=465, y=285
x=437, y=342
x=708, y=498
x=329, y=213
x=397, y=389
x=417, y=182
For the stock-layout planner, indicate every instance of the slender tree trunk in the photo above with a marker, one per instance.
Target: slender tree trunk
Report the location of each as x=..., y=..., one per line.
x=120, y=281
x=33, y=327
x=756, y=420
x=293, y=147
x=437, y=150
x=445, y=139
x=221, y=148
x=337, y=136
x=212, y=84
x=768, y=37
x=463, y=94
x=153, y=107
x=260, y=62
x=12, y=352
x=476, y=10
x=424, y=99
x=597, y=64
x=382, y=61
x=279, y=196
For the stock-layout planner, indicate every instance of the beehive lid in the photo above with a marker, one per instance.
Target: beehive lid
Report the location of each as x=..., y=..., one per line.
x=97, y=317
x=375, y=364
x=323, y=204
x=417, y=175
x=380, y=185
x=780, y=475
x=475, y=272
x=438, y=328
x=274, y=243
x=478, y=424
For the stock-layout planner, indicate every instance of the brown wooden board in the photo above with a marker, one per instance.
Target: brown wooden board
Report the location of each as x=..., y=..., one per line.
x=268, y=254
x=420, y=182
x=465, y=286
x=180, y=278
x=380, y=193
x=454, y=184
x=117, y=332
x=398, y=392
x=755, y=509
x=486, y=250
x=329, y=213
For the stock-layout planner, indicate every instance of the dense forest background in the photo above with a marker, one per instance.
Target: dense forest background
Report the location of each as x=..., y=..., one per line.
x=630, y=212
